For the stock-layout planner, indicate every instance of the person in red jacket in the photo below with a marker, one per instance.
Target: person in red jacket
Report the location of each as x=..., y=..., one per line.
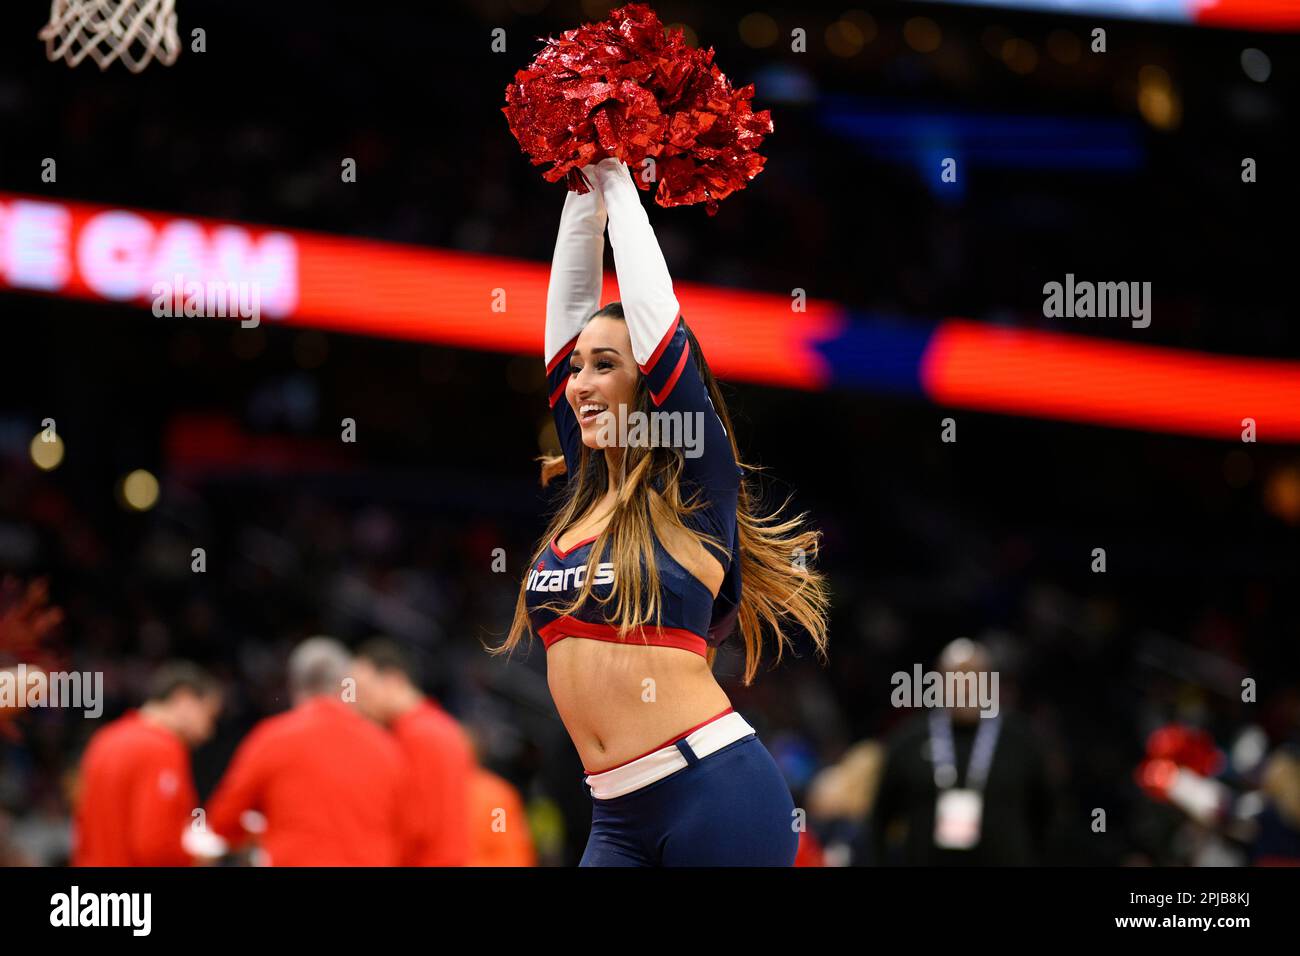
x=327, y=786
x=436, y=748
x=135, y=795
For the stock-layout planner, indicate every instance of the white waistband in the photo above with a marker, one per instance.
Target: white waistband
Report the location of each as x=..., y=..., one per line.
x=668, y=759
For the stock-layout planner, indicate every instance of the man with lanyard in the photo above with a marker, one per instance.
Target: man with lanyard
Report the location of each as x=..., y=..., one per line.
x=959, y=788
x=959, y=811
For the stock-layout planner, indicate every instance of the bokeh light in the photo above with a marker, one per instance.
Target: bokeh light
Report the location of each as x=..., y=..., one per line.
x=1064, y=47
x=1282, y=494
x=1256, y=64
x=758, y=30
x=922, y=34
x=46, y=455
x=844, y=38
x=1019, y=56
x=864, y=21
x=140, y=490
x=1158, y=102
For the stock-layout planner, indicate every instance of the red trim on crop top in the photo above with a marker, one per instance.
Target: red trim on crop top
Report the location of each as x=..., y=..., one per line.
x=563, y=627
x=555, y=545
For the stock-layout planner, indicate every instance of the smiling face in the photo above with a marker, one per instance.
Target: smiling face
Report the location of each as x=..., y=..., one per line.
x=602, y=376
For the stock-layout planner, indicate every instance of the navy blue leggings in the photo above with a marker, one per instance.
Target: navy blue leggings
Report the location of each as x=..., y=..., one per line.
x=731, y=808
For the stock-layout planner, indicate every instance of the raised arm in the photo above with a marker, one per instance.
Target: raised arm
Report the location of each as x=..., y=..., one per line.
x=644, y=285
x=573, y=295
x=663, y=351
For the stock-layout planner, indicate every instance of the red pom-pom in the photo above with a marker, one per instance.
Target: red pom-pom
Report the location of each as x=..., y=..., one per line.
x=624, y=88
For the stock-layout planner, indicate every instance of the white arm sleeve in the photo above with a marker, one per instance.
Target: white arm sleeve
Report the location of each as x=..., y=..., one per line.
x=577, y=268
x=644, y=285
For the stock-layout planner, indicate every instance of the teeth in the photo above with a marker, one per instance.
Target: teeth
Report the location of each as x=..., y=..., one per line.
x=588, y=409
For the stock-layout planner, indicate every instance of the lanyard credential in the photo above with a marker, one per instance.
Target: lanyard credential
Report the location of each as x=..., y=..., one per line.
x=944, y=755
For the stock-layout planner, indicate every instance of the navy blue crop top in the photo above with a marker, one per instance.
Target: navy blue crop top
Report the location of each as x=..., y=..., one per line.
x=687, y=611
x=691, y=617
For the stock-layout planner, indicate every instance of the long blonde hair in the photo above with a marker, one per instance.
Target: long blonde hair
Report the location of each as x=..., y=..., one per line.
x=777, y=582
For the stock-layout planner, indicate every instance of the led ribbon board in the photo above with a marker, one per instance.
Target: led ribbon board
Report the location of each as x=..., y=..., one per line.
x=493, y=303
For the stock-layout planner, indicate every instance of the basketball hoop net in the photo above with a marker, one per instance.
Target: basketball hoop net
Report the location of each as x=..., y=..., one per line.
x=134, y=31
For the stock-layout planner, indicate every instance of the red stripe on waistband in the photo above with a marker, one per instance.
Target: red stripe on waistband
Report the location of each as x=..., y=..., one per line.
x=666, y=743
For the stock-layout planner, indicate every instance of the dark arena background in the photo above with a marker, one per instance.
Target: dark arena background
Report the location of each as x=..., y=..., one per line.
x=1108, y=504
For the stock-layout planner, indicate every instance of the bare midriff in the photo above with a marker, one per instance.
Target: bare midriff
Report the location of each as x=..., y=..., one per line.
x=619, y=701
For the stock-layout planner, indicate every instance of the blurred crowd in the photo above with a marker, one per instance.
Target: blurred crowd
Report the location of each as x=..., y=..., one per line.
x=1089, y=671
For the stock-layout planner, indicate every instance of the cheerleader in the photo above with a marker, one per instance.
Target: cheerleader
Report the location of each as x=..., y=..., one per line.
x=653, y=558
